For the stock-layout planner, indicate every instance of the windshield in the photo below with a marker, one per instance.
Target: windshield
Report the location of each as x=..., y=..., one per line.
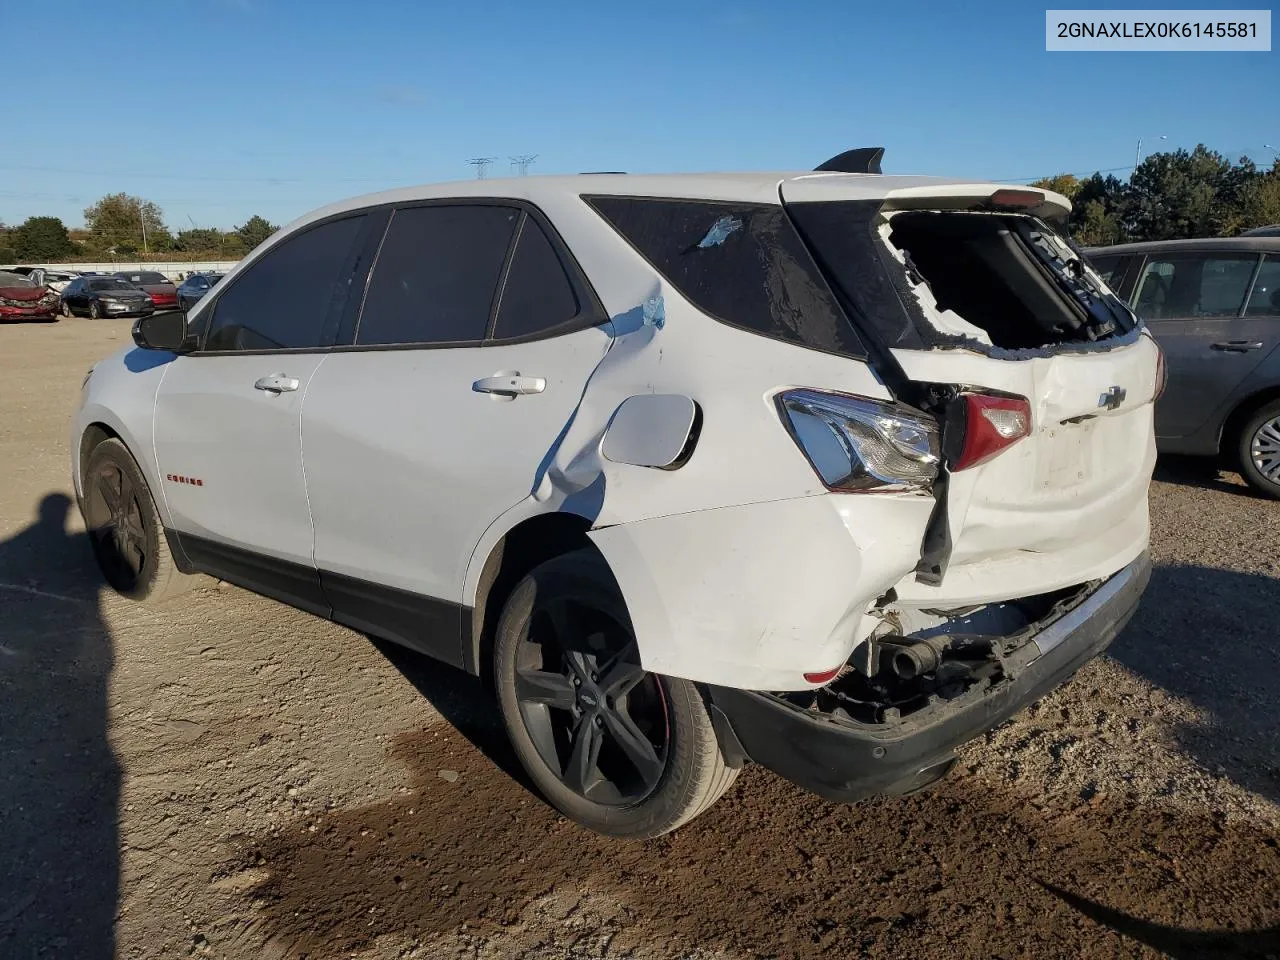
x=146, y=278
x=111, y=284
x=14, y=280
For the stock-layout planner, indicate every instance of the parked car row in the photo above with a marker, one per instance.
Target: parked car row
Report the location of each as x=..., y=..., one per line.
x=38, y=293
x=1214, y=307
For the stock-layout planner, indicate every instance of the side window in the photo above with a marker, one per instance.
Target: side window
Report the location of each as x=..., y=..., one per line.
x=286, y=299
x=1111, y=269
x=538, y=294
x=436, y=275
x=1265, y=299
x=741, y=263
x=1194, y=286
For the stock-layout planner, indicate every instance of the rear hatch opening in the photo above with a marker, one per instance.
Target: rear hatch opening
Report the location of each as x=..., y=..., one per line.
x=1004, y=280
x=922, y=663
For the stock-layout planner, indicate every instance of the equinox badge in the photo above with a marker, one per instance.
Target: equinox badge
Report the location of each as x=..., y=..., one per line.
x=1112, y=398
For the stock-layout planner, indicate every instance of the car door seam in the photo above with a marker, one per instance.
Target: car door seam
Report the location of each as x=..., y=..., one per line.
x=302, y=454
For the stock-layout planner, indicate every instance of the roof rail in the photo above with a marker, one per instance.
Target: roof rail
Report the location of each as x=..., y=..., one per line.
x=858, y=160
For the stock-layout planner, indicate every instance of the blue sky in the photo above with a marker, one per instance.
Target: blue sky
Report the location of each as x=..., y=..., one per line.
x=219, y=109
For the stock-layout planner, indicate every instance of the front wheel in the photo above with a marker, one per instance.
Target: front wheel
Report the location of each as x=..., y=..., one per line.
x=125, y=529
x=66, y=310
x=1259, y=450
x=95, y=312
x=620, y=750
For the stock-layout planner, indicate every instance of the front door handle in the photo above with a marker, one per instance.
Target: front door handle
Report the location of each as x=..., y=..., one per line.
x=1237, y=346
x=509, y=385
x=277, y=383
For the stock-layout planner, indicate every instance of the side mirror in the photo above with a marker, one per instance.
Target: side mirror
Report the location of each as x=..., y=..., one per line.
x=164, y=331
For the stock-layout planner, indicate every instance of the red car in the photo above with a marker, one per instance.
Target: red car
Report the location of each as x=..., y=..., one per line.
x=21, y=299
x=160, y=288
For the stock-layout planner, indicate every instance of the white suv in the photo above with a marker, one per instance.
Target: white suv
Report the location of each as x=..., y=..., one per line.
x=831, y=471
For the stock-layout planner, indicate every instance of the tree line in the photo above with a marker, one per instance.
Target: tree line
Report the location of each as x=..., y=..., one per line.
x=123, y=226
x=1171, y=196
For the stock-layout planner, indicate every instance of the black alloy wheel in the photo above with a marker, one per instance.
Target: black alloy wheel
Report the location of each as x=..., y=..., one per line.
x=621, y=750
x=114, y=516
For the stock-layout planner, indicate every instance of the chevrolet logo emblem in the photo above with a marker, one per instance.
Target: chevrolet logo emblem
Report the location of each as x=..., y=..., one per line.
x=1112, y=398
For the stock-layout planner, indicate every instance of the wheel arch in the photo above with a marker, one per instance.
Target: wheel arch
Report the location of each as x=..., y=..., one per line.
x=532, y=541
x=90, y=437
x=1229, y=436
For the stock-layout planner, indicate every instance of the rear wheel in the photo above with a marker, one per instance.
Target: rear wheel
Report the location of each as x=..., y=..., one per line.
x=125, y=529
x=618, y=749
x=1259, y=449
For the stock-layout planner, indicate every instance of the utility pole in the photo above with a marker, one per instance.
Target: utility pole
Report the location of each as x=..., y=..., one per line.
x=482, y=166
x=142, y=219
x=1137, y=155
x=522, y=162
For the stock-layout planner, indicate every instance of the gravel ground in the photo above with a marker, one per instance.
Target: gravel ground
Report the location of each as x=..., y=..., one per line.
x=226, y=777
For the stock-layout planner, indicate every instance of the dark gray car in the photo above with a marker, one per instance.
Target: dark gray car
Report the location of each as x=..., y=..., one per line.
x=195, y=287
x=1214, y=307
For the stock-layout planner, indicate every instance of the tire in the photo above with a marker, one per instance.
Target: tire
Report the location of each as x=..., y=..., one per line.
x=66, y=310
x=556, y=712
x=1258, y=450
x=95, y=312
x=125, y=530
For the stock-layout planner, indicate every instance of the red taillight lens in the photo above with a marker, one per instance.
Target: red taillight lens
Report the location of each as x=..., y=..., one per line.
x=991, y=425
x=823, y=676
x=1162, y=373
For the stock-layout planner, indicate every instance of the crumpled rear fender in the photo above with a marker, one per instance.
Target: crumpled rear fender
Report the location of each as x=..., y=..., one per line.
x=754, y=596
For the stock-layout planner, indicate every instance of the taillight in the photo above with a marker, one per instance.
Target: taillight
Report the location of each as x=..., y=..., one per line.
x=1162, y=373
x=991, y=425
x=859, y=445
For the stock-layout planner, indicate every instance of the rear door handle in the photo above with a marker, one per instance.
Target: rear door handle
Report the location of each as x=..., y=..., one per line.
x=277, y=383
x=1237, y=346
x=509, y=385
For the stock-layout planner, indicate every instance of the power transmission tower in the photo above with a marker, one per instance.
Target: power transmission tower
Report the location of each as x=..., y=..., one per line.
x=482, y=165
x=521, y=163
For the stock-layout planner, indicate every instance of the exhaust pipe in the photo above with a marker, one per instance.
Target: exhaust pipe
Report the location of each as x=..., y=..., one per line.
x=909, y=661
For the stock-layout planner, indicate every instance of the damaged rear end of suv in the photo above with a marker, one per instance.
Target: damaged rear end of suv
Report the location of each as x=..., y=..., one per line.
x=1025, y=390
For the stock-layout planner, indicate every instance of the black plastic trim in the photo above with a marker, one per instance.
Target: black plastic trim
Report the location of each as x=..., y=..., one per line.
x=425, y=624
x=293, y=583
x=413, y=620
x=849, y=761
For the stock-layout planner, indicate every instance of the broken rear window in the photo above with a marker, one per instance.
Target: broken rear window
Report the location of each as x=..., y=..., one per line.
x=941, y=277
x=741, y=263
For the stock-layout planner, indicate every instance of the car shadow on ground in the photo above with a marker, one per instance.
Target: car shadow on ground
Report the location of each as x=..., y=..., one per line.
x=1202, y=473
x=59, y=778
x=968, y=868
x=1208, y=636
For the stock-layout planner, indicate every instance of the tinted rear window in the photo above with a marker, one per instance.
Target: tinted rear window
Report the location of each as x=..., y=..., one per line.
x=538, y=295
x=436, y=275
x=741, y=263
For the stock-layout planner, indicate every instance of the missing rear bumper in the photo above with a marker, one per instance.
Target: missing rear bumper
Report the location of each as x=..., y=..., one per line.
x=843, y=759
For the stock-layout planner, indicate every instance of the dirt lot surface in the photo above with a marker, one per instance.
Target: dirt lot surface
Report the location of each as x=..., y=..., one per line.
x=226, y=777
